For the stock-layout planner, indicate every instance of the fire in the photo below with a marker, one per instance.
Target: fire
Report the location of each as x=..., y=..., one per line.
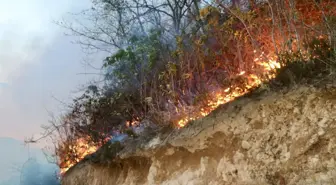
x=133, y=122
x=268, y=63
x=81, y=148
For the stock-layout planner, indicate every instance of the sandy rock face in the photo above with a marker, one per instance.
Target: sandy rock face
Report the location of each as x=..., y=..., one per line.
x=281, y=138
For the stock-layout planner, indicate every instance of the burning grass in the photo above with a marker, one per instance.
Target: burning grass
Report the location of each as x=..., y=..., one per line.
x=248, y=81
x=230, y=59
x=74, y=151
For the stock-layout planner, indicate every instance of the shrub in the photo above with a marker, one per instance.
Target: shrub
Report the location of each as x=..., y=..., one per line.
x=164, y=80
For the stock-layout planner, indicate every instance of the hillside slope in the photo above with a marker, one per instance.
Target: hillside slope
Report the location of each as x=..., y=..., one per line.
x=283, y=137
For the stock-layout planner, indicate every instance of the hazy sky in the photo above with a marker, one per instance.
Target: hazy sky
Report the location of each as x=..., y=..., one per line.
x=36, y=62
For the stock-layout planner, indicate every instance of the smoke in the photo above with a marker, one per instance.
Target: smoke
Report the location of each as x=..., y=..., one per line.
x=34, y=173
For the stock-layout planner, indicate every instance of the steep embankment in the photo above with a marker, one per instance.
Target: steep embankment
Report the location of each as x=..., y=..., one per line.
x=284, y=137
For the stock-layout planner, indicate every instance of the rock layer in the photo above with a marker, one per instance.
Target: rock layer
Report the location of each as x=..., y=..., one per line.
x=283, y=138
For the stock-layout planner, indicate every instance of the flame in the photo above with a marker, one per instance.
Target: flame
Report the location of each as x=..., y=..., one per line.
x=266, y=63
x=81, y=148
x=269, y=65
x=134, y=122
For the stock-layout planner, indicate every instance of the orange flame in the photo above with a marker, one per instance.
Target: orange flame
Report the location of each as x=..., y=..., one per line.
x=269, y=64
x=83, y=147
x=80, y=148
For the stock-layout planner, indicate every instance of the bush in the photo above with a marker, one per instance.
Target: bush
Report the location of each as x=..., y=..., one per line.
x=298, y=66
x=163, y=80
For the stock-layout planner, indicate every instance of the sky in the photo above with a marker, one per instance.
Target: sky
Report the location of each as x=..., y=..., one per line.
x=38, y=64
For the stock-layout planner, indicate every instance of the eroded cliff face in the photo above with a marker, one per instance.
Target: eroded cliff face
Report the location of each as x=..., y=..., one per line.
x=286, y=137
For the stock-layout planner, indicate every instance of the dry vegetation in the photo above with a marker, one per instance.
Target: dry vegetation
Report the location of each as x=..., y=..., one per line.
x=187, y=56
